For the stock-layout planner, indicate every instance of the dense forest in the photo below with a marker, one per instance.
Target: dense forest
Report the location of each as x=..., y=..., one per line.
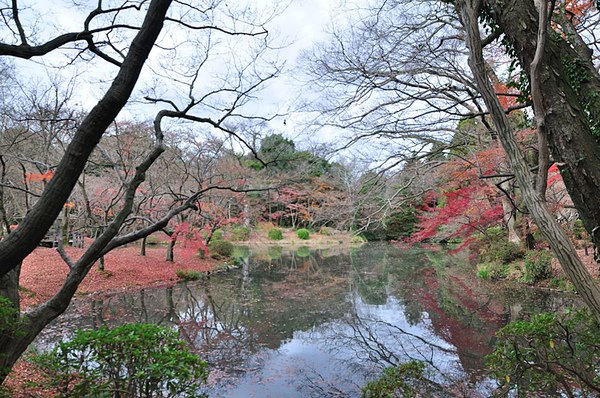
x=468, y=128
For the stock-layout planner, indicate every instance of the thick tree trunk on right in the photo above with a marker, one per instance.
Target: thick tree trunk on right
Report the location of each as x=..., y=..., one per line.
x=572, y=106
x=552, y=231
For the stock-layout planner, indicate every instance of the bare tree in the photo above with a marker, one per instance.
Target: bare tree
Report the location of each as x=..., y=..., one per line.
x=395, y=80
x=123, y=35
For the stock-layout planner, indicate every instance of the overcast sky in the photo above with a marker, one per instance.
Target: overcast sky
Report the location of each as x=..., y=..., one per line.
x=301, y=25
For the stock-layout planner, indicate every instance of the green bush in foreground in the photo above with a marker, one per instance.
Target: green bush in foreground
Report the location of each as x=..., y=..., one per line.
x=135, y=360
x=189, y=274
x=550, y=355
x=221, y=247
x=275, y=234
x=303, y=234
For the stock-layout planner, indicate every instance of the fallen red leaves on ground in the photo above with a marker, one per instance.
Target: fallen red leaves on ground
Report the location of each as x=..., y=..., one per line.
x=43, y=272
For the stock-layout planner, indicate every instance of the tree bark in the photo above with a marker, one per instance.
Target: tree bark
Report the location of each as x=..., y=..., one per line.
x=65, y=227
x=552, y=231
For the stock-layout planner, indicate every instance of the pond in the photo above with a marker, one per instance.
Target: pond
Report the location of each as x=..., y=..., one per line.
x=324, y=322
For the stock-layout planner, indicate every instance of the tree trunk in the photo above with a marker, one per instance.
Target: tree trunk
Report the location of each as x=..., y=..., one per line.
x=572, y=106
x=143, y=247
x=65, y=227
x=510, y=215
x=170, y=251
x=557, y=238
x=9, y=288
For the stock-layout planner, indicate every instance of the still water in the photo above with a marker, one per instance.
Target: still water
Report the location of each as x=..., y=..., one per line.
x=322, y=323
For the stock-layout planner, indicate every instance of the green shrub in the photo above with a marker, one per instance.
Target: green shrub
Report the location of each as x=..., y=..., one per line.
x=501, y=251
x=151, y=240
x=138, y=360
x=401, y=223
x=495, y=233
x=326, y=231
x=537, y=265
x=492, y=270
x=557, y=355
x=357, y=239
x=9, y=323
x=240, y=233
x=483, y=273
x=275, y=234
x=9, y=317
x=404, y=380
x=579, y=230
x=189, y=274
x=221, y=247
x=303, y=233
x=217, y=235
x=561, y=284
x=373, y=235
x=303, y=251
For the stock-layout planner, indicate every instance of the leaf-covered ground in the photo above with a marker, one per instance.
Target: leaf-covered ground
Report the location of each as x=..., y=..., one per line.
x=44, y=271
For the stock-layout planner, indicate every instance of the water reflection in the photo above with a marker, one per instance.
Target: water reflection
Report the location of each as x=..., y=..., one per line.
x=322, y=323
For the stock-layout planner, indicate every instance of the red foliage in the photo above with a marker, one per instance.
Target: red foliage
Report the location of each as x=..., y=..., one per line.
x=578, y=8
x=191, y=237
x=506, y=95
x=553, y=175
x=467, y=209
x=467, y=203
x=38, y=177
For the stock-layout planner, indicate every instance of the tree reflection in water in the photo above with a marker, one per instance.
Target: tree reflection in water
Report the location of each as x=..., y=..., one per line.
x=323, y=324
